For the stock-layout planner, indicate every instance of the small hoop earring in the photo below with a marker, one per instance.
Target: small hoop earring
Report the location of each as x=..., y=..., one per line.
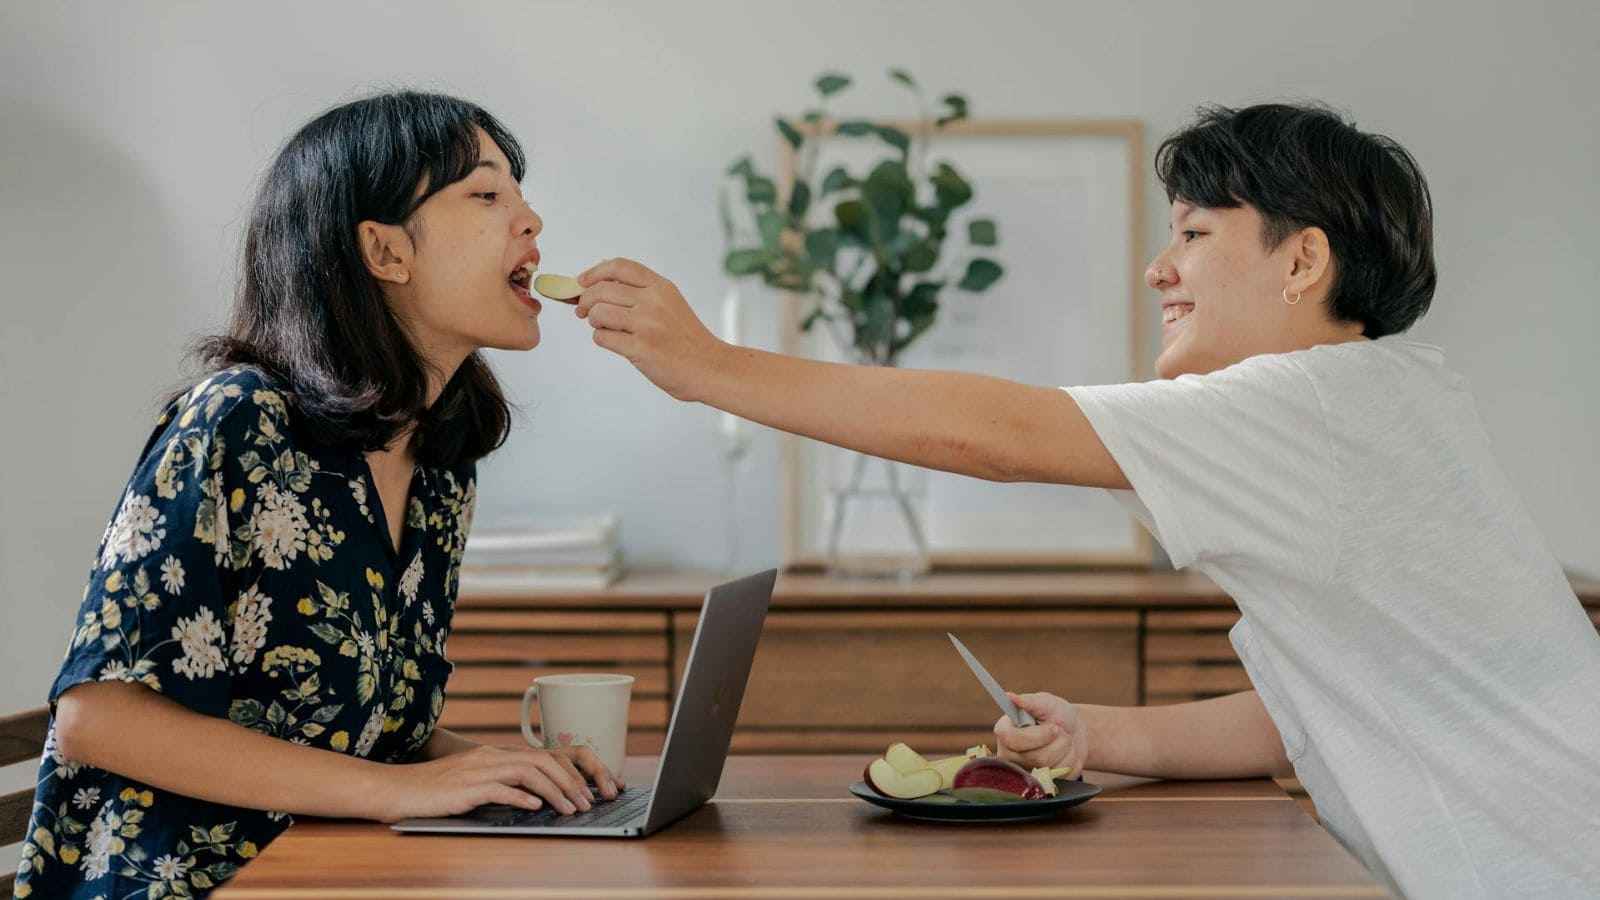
x=1296, y=297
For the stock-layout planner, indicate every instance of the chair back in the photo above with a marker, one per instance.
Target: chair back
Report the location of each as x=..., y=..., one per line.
x=21, y=738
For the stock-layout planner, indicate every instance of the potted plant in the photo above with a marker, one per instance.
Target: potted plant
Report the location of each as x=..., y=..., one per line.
x=870, y=252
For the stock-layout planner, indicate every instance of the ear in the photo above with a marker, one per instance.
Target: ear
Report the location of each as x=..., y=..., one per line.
x=1310, y=260
x=387, y=251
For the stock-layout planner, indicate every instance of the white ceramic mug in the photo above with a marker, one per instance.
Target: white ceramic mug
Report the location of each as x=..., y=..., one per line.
x=581, y=709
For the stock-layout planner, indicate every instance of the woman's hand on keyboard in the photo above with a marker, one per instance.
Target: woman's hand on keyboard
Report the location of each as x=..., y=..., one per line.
x=519, y=777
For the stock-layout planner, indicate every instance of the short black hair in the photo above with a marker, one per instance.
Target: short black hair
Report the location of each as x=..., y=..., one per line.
x=1303, y=166
x=310, y=314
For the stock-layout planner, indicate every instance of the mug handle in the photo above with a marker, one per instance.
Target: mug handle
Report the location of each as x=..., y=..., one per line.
x=528, y=696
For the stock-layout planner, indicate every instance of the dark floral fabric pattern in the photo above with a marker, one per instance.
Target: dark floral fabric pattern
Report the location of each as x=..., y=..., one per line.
x=253, y=579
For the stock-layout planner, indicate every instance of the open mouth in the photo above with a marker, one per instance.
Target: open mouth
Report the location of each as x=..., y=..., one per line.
x=522, y=276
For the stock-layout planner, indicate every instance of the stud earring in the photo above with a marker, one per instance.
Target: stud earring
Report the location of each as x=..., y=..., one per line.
x=400, y=275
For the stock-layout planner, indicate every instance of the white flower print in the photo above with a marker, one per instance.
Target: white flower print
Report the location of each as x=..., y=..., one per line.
x=358, y=490
x=116, y=670
x=217, y=535
x=66, y=768
x=411, y=580
x=427, y=612
x=172, y=575
x=250, y=618
x=135, y=532
x=171, y=868
x=103, y=843
x=369, y=734
x=278, y=526
x=86, y=797
x=200, y=637
x=365, y=644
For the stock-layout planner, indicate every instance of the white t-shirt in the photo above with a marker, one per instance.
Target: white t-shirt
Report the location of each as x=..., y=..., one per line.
x=1435, y=680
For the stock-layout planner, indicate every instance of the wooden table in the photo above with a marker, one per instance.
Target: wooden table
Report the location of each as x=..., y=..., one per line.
x=783, y=826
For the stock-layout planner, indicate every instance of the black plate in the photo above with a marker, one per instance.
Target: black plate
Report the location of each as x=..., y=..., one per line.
x=945, y=808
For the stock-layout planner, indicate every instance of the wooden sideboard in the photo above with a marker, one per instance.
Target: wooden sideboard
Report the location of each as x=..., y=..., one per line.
x=849, y=666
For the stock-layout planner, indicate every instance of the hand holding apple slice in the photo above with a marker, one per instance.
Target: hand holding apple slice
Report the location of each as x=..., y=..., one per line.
x=558, y=287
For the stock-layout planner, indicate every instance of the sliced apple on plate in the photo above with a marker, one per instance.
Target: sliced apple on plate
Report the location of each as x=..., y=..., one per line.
x=883, y=777
x=557, y=287
x=904, y=759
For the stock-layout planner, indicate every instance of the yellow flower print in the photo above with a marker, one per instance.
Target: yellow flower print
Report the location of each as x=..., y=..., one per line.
x=340, y=741
x=247, y=850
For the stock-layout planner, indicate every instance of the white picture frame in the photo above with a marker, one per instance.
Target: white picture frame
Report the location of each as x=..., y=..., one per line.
x=1067, y=197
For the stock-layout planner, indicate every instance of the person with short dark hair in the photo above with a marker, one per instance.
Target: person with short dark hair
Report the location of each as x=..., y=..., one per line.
x=1419, y=658
x=263, y=631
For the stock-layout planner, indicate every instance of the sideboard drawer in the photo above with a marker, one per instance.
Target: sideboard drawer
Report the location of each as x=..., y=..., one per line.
x=858, y=680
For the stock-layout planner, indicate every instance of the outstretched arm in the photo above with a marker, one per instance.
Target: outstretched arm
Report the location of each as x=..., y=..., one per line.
x=969, y=424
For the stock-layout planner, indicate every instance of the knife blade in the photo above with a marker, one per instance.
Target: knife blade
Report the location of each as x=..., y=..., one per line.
x=1019, y=717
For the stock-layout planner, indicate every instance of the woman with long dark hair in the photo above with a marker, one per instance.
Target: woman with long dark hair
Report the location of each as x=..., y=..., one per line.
x=263, y=629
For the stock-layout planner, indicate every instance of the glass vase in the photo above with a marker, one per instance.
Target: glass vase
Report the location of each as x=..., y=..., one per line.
x=875, y=517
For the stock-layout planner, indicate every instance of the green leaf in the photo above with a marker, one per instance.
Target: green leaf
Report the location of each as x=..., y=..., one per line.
x=904, y=77
x=832, y=83
x=982, y=233
x=822, y=246
x=761, y=190
x=895, y=138
x=958, y=110
x=980, y=274
x=745, y=262
x=856, y=128
x=327, y=632
x=851, y=215
x=922, y=299
x=951, y=189
x=799, y=200
x=790, y=134
x=922, y=257
x=837, y=179
x=245, y=712
x=770, y=224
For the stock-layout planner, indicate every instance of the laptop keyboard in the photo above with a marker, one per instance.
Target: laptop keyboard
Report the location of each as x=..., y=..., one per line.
x=630, y=802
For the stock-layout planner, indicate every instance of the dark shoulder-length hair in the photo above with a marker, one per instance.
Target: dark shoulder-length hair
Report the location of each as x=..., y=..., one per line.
x=310, y=314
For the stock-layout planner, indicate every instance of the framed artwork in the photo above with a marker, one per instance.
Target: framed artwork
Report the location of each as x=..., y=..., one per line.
x=1067, y=200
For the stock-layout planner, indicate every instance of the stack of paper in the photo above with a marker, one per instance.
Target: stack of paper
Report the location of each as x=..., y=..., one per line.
x=533, y=554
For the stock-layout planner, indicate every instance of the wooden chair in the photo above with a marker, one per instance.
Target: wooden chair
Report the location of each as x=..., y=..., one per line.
x=21, y=738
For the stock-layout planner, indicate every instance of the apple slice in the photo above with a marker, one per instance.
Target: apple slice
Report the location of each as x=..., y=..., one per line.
x=557, y=287
x=950, y=765
x=1047, y=777
x=990, y=779
x=904, y=759
x=882, y=777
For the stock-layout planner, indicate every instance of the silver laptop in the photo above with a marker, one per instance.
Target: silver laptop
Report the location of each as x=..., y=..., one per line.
x=714, y=677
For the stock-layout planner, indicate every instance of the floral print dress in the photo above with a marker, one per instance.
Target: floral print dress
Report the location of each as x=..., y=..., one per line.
x=246, y=577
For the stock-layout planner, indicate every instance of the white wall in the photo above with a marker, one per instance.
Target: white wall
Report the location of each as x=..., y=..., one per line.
x=130, y=134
